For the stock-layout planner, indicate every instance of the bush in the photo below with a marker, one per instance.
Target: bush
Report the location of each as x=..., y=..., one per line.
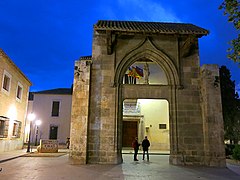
x=229, y=149
x=236, y=152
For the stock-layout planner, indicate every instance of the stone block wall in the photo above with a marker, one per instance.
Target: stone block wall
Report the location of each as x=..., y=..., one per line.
x=189, y=150
x=102, y=126
x=194, y=106
x=80, y=112
x=212, y=116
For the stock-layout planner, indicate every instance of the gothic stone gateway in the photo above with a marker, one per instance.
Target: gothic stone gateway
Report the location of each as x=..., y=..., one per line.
x=193, y=92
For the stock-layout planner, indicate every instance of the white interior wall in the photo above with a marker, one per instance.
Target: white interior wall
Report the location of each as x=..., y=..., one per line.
x=155, y=112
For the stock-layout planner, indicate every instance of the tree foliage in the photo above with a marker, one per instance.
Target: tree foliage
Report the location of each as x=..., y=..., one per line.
x=236, y=152
x=230, y=106
x=232, y=10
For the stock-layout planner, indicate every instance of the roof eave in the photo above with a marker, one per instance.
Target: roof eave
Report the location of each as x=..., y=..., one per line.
x=117, y=31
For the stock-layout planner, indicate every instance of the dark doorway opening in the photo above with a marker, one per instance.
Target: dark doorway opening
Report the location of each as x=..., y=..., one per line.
x=53, y=132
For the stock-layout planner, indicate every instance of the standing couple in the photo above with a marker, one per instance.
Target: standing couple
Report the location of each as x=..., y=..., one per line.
x=145, y=146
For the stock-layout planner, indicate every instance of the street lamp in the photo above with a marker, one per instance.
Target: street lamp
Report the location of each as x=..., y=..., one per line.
x=37, y=123
x=31, y=117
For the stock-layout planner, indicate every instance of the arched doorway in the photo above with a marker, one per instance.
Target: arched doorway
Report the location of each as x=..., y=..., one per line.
x=150, y=77
x=146, y=117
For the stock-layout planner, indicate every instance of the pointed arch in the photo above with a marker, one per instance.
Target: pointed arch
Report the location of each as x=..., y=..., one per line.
x=146, y=49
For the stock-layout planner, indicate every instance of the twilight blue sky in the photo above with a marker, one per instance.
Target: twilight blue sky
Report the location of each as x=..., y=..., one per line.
x=45, y=37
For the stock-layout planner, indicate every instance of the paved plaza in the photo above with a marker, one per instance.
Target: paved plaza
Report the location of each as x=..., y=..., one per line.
x=58, y=167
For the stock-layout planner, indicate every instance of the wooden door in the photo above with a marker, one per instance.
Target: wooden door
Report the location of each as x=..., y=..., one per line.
x=130, y=131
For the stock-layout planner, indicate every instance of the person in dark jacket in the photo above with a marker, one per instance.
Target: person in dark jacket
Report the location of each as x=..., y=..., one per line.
x=68, y=142
x=145, y=145
x=135, y=146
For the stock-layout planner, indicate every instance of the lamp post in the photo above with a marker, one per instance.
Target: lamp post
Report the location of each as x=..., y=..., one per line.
x=31, y=117
x=37, y=123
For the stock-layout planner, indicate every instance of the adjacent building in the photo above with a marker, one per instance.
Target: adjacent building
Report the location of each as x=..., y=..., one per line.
x=14, y=92
x=52, y=111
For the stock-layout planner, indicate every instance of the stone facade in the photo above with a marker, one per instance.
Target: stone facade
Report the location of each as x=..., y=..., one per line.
x=99, y=92
x=212, y=116
x=80, y=104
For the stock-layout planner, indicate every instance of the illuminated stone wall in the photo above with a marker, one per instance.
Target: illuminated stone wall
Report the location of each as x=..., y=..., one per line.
x=96, y=133
x=80, y=112
x=212, y=116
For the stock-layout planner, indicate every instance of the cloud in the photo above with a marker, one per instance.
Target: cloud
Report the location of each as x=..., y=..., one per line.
x=147, y=11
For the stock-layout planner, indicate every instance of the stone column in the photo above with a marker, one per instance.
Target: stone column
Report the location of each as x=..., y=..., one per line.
x=80, y=107
x=212, y=117
x=146, y=73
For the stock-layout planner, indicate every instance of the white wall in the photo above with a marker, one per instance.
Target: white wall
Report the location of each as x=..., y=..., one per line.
x=42, y=108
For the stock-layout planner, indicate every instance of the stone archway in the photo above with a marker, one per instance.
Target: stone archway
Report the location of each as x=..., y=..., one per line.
x=98, y=93
x=146, y=50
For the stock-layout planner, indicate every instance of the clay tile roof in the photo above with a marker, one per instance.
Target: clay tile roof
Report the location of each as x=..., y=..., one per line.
x=150, y=27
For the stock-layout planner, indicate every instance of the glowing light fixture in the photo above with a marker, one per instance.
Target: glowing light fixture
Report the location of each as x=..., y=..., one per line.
x=31, y=117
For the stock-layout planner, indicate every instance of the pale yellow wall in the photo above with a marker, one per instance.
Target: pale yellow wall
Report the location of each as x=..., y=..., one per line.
x=10, y=106
x=27, y=124
x=155, y=112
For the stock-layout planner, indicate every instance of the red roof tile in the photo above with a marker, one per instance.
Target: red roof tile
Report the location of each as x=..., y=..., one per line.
x=150, y=27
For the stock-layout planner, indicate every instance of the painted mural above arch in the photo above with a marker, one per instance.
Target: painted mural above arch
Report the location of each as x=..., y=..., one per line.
x=145, y=71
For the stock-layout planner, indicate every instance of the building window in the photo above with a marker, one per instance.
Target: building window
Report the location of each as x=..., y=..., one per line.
x=19, y=91
x=55, y=108
x=2, y=128
x=162, y=126
x=6, y=81
x=16, y=129
x=4, y=124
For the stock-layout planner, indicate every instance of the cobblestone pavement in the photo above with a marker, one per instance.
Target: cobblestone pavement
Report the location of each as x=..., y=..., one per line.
x=158, y=168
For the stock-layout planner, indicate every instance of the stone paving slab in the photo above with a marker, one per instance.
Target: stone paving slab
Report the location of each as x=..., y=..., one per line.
x=57, y=166
x=36, y=154
x=158, y=168
x=233, y=162
x=9, y=155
